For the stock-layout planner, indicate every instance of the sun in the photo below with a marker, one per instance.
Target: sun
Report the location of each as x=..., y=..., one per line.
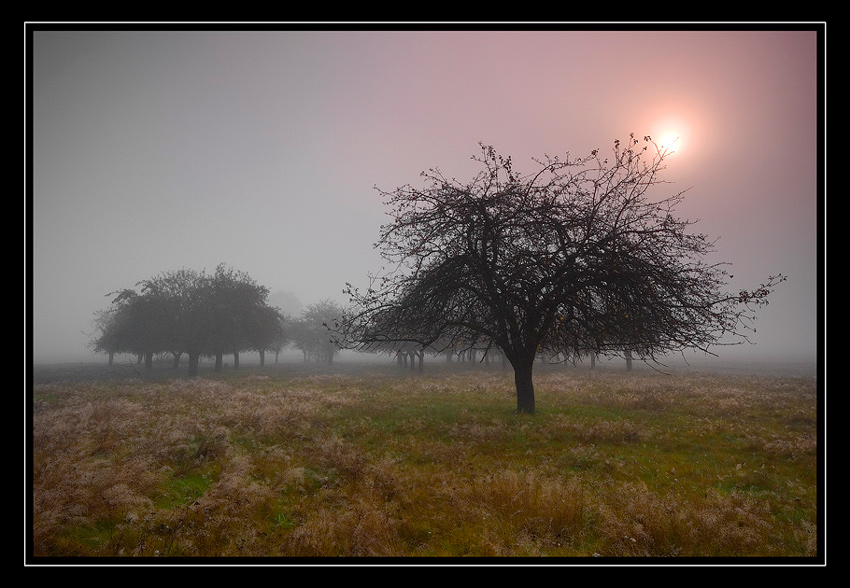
x=670, y=142
x=669, y=134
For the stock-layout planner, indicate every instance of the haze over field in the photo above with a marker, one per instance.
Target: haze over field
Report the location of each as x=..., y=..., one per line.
x=167, y=149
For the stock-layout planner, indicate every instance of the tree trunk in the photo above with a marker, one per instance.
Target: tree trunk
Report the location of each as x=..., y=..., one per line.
x=193, y=364
x=524, y=386
x=236, y=360
x=176, y=363
x=421, y=360
x=111, y=357
x=218, y=361
x=148, y=360
x=262, y=357
x=628, y=361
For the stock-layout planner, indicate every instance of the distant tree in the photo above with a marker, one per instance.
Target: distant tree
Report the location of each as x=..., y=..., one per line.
x=191, y=312
x=264, y=331
x=300, y=338
x=311, y=332
x=282, y=338
x=287, y=302
x=572, y=258
x=239, y=318
x=109, y=335
x=130, y=325
x=179, y=301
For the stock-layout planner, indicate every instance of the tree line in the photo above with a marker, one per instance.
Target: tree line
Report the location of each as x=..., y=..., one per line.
x=573, y=259
x=200, y=314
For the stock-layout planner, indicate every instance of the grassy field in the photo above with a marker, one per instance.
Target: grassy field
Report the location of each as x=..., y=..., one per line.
x=284, y=463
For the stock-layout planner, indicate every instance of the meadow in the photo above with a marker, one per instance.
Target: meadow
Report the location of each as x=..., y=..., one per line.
x=278, y=462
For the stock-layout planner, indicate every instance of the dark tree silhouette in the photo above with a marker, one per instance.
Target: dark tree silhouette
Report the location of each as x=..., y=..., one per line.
x=573, y=258
x=238, y=318
x=264, y=331
x=133, y=324
x=191, y=312
x=114, y=327
x=182, y=318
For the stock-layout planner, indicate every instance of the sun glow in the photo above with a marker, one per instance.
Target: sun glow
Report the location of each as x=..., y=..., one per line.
x=669, y=143
x=669, y=135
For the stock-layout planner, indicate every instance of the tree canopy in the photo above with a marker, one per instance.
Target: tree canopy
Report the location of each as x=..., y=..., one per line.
x=572, y=258
x=191, y=312
x=310, y=332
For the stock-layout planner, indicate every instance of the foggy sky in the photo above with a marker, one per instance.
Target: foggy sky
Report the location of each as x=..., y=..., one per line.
x=160, y=150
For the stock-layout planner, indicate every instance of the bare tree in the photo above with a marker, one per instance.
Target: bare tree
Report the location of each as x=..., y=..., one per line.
x=573, y=258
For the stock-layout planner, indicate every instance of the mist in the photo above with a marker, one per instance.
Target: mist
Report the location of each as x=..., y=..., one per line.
x=155, y=150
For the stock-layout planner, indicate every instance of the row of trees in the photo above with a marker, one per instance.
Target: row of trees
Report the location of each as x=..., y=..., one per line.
x=573, y=259
x=207, y=315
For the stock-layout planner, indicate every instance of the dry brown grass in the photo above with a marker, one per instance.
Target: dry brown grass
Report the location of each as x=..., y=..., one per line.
x=372, y=465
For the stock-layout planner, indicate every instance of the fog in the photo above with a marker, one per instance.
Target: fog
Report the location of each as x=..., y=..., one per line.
x=167, y=149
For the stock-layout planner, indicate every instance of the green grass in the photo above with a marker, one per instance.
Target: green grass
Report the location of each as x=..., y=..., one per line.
x=180, y=491
x=370, y=463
